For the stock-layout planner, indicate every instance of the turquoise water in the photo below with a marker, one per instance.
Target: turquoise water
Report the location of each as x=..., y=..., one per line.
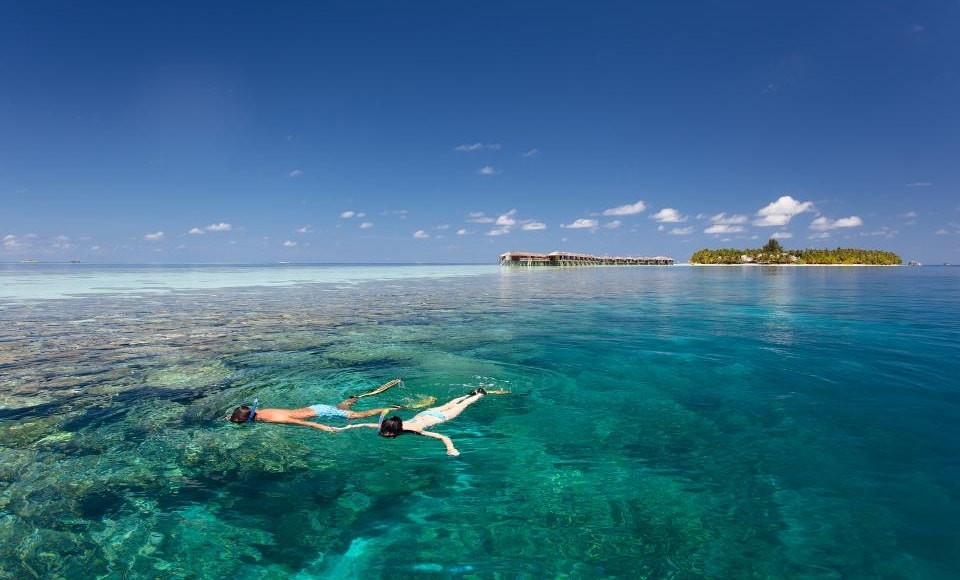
x=662, y=422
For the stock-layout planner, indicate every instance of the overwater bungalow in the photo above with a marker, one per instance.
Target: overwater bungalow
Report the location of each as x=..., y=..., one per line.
x=572, y=259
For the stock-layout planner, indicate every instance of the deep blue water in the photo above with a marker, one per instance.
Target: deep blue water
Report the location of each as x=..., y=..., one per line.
x=662, y=422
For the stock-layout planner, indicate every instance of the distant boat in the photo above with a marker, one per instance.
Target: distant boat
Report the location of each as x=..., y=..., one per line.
x=29, y=261
x=914, y=263
x=74, y=261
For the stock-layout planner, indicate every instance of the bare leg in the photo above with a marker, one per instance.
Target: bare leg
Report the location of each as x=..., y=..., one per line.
x=370, y=413
x=456, y=406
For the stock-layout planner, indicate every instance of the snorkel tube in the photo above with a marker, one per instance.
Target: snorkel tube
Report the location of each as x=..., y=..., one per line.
x=253, y=410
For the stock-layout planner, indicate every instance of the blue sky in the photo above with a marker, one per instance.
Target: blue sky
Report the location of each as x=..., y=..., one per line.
x=453, y=131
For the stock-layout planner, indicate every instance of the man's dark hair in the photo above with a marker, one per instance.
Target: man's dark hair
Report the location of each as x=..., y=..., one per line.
x=240, y=414
x=391, y=427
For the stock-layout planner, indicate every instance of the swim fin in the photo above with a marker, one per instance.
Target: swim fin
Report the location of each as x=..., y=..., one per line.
x=380, y=389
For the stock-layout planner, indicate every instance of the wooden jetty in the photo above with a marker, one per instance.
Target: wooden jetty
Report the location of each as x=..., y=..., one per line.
x=571, y=259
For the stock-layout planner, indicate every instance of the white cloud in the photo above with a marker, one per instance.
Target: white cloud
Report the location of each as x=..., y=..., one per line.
x=780, y=212
x=220, y=227
x=467, y=147
x=941, y=232
x=581, y=223
x=820, y=236
x=307, y=229
x=613, y=225
x=682, y=231
x=11, y=242
x=533, y=226
x=347, y=214
x=421, y=235
x=289, y=244
x=629, y=209
x=366, y=225
x=154, y=237
x=722, y=218
x=461, y=232
x=487, y=170
x=823, y=223
x=478, y=217
x=507, y=219
x=920, y=184
x=723, y=229
x=910, y=215
x=668, y=215
x=531, y=153
x=400, y=212
x=499, y=231
x=781, y=235
x=442, y=227
x=296, y=173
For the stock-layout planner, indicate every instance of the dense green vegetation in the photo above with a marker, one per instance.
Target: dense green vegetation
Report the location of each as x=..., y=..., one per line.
x=773, y=253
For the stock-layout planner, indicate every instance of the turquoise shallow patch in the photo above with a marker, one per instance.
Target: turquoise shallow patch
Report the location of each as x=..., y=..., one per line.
x=661, y=422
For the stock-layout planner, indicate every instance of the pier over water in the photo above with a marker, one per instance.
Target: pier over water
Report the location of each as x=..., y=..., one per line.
x=571, y=259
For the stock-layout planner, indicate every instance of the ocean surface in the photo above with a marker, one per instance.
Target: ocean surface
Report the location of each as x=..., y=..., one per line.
x=661, y=422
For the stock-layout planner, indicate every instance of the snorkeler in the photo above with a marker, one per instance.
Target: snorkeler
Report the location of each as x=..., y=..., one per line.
x=419, y=423
x=245, y=414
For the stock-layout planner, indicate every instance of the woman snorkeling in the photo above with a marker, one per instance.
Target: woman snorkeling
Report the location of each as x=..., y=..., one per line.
x=394, y=426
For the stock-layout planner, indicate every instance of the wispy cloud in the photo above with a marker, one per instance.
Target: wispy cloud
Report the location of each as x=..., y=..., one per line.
x=154, y=237
x=421, y=235
x=462, y=232
x=782, y=235
x=468, y=147
x=219, y=227
x=824, y=223
x=629, y=209
x=296, y=173
x=507, y=219
x=780, y=212
x=289, y=244
x=884, y=231
x=582, y=223
x=920, y=184
x=487, y=170
x=478, y=217
x=682, y=231
x=910, y=215
x=307, y=229
x=402, y=213
x=613, y=225
x=501, y=231
x=531, y=226
x=668, y=215
x=11, y=242
x=531, y=153
x=723, y=229
x=723, y=218
x=820, y=236
x=366, y=225
x=352, y=214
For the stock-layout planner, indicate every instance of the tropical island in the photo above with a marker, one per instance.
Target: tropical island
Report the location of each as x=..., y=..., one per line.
x=773, y=253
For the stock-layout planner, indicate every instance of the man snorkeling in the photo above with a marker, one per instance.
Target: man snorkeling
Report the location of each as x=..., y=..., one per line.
x=394, y=426
x=245, y=414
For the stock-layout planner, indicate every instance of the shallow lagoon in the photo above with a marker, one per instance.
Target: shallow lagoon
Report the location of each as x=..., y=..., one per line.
x=663, y=422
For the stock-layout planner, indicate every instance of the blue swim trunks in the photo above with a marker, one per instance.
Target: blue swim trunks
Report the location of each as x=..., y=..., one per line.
x=328, y=411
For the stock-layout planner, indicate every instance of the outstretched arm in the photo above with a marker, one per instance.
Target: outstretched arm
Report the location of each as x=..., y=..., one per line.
x=447, y=442
x=355, y=425
x=292, y=421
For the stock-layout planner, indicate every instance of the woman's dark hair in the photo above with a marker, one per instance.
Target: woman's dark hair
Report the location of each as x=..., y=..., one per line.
x=391, y=427
x=240, y=414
